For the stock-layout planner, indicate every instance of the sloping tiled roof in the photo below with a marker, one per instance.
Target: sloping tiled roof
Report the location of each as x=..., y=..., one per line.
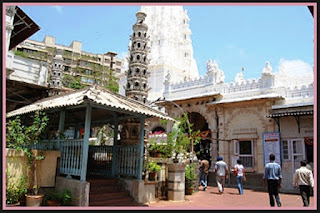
x=95, y=94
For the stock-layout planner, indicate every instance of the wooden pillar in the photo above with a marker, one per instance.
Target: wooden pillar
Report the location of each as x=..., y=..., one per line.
x=85, y=147
x=114, y=148
x=61, y=125
x=142, y=120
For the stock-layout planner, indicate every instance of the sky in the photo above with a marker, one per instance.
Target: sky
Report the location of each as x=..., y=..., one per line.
x=235, y=36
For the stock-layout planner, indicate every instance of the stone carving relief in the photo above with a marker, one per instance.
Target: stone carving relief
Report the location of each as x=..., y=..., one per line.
x=239, y=78
x=213, y=70
x=267, y=69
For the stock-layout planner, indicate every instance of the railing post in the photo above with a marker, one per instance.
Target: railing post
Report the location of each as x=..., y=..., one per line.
x=142, y=120
x=114, y=148
x=86, y=143
x=61, y=125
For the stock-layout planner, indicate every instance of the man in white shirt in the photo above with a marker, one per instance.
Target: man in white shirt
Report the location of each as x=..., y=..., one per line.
x=304, y=178
x=221, y=170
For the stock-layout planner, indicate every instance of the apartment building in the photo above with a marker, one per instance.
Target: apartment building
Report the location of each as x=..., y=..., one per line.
x=88, y=68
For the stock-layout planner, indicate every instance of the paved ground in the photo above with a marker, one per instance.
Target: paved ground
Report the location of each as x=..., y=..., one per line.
x=210, y=199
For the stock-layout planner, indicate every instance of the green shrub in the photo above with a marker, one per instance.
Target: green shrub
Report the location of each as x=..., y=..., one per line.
x=15, y=189
x=153, y=167
x=64, y=198
x=190, y=175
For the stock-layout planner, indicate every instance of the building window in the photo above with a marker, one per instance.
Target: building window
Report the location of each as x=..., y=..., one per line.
x=293, y=150
x=285, y=150
x=139, y=34
x=88, y=72
x=244, y=149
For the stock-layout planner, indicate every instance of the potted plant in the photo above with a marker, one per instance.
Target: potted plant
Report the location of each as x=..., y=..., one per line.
x=153, y=168
x=15, y=189
x=190, y=176
x=54, y=198
x=25, y=138
x=157, y=150
x=180, y=139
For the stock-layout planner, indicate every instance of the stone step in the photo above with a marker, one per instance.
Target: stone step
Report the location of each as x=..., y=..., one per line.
x=103, y=182
x=107, y=196
x=127, y=201
x=106, y=189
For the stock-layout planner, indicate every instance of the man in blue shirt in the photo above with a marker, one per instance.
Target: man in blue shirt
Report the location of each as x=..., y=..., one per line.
x=272, y=174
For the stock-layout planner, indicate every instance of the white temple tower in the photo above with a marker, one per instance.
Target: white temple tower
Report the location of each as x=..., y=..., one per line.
x=170, y=47
x=137, y=74
x=56, y=74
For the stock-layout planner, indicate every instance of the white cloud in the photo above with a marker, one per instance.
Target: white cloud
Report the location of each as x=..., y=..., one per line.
x=125, y=64
x=58, y=8
x=294, y=67
x=291, y=73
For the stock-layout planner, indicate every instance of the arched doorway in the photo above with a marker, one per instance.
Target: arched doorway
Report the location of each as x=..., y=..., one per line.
x=200, y=123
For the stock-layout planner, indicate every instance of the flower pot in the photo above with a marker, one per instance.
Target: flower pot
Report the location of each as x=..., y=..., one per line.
x=156, y=154
x=152, y=176
x=34, y=200
x=53, y=203
x=189, y=191
x=13, y=204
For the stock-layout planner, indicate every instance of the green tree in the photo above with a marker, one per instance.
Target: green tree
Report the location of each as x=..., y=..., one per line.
x=24, y=138
x=181, y=137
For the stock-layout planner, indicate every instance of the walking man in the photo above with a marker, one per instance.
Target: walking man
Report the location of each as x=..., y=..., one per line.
x=221, y=170
x=272, y=174
x=204, y=166
x=303, y=177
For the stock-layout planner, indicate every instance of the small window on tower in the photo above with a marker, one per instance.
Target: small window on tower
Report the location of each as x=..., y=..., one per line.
x=137, y=70
x=138, y=45
x=134, y=34
x=144, y=72
x=145, y=34
x=128, y=85
x=138, y=57
x=139, y=34
x=129, y=72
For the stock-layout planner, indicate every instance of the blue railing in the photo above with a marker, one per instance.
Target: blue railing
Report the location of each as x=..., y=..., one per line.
x=128, y=159
x=99, y=159
x=46, y=145
x=71, y=157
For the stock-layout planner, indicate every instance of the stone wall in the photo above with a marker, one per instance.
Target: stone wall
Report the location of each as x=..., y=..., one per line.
x=141, y=191
x=79, y=190
x=17, y=164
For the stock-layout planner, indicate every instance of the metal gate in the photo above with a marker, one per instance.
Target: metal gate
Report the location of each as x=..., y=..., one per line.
x=100, y=161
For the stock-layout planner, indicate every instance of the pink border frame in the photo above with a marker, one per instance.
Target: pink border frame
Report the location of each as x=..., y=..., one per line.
x=146, y=4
